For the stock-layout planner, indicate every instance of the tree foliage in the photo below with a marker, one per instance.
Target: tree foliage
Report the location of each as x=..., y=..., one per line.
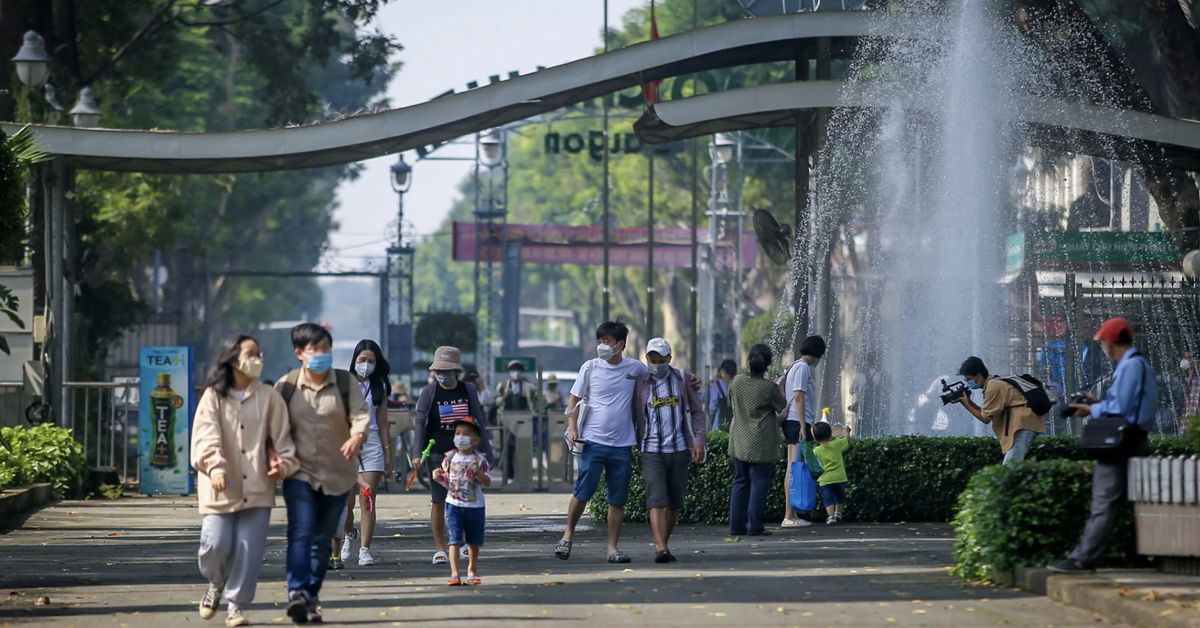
x=445, y=329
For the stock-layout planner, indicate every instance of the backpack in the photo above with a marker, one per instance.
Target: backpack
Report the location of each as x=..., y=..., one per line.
x=724, y=410
x=1037, y=397
x=342, y=379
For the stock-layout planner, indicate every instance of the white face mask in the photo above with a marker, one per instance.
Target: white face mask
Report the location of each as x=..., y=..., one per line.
x=364, y=369
x=514, y=375
x=462, y=442
x=251, y=366
x=604, y=352
x=1185, y=364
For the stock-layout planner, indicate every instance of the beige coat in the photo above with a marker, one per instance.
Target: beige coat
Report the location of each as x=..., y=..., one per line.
x=1004, y=408
x=231, y=435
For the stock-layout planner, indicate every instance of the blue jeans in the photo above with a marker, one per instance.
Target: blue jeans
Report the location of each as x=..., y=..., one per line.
x=312, y=518
x=615, y=463
x=833, y=494
x=1020, y=446
x=748, y=498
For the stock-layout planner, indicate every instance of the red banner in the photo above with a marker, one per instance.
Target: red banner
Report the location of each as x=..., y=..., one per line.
x=554, y=244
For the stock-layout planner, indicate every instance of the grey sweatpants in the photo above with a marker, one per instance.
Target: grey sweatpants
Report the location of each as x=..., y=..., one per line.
x=1108, y=491
x=231, y=551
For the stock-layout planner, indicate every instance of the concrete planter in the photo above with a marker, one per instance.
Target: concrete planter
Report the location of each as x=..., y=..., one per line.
x=18, y=500
x=1166, y=497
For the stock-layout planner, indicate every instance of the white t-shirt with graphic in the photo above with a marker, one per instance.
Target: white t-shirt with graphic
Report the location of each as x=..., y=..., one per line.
x=609, y=419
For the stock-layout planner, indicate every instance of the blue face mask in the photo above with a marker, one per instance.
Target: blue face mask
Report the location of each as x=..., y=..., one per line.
x=972, y=385
x=319, y=362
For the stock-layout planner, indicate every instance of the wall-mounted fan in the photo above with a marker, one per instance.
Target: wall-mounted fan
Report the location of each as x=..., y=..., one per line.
x=775, y=239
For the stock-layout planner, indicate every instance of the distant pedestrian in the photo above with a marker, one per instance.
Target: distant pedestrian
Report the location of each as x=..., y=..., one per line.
x=833, y=477
x=670, y=424
x=718, y=396
x=802, y=414
x=1134, y=397
x=439, y=408
x=241, y=444
x=329, y=425
x=754, y=443
x=517, y=396
x=1191, y=402
x=554, y=397
x=465, y=473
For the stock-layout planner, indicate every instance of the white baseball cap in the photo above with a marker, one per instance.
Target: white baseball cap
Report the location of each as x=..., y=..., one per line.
x=659, y=346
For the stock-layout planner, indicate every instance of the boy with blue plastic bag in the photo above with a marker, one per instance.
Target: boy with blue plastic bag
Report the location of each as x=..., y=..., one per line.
x=833, y=479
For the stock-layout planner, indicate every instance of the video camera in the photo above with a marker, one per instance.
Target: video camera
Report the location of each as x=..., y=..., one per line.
x=953, y=392
x=1064, y=407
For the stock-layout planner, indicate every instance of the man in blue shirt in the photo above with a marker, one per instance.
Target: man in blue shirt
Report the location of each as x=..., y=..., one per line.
x=1133, y=396
x=718, y=396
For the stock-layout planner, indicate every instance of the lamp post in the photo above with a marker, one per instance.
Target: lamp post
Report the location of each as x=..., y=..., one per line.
x=491, y=237
x=33, y=64
x=85, y=111
x=399, y=333
x=723, y=149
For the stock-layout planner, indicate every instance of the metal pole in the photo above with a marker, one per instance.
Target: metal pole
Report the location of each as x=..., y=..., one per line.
x=650, y=247
x=604, y=180
x=693, y=304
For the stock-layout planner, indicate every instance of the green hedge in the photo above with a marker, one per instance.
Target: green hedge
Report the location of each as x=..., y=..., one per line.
x=1030, y=515
x=893, y=478
x=42, y=454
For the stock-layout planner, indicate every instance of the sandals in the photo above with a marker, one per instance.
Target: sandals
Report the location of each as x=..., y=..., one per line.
x=440, y=558
x=454, y=581
x=563, y=550
x=473, y=580
x=619, y=558
x=662, y=557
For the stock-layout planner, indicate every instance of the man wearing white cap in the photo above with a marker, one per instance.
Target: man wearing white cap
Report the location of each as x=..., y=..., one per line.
x=671, y=427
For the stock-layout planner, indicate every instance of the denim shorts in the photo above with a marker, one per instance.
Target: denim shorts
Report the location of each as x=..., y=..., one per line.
x=615, y=463
x=833, y=494
x=465, y=525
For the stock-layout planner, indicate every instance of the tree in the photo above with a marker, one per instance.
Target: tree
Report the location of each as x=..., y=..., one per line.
x=17, y=153
x=445, y=329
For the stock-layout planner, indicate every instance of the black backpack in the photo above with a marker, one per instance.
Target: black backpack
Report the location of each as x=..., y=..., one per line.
x=287, y=388
x=1037, y=397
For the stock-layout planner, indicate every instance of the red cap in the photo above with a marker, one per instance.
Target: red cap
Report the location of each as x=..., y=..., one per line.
x=1113, y=329
x=469, y=421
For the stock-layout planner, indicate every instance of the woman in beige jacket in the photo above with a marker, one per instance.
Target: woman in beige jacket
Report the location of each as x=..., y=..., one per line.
x=241, y=444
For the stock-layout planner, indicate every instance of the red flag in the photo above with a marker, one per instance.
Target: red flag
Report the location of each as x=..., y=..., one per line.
x=651, y=89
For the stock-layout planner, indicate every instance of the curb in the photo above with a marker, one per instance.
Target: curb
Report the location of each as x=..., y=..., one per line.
x=1103, y=596
x=15, y=501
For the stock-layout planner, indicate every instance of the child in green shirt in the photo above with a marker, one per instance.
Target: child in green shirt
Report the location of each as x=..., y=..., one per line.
x=833, y=481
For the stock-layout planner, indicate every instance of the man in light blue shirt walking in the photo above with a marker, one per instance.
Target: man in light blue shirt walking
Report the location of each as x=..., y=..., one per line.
x=1133, y=396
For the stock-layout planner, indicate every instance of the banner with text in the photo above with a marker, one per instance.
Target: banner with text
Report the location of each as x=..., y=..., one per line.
x=554, y=244
x=165, y=422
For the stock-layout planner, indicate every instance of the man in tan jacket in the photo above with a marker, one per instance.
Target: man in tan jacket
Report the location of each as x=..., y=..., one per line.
x=329, y=425
x=1004, y=407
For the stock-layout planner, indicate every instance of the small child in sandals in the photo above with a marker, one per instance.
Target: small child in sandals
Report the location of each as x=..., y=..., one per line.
x=464, y=473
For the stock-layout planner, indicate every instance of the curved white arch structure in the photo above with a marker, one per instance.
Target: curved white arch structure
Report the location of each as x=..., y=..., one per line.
x=733, y=43
x=1074, y=126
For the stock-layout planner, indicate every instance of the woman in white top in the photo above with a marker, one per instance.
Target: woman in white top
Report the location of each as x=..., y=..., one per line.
x=372, y=370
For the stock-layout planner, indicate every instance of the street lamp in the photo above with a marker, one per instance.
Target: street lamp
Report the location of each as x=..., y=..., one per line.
x=724, y=143
x=32, y=61
x=491, y=144
x=401, y=176
x=87, y=114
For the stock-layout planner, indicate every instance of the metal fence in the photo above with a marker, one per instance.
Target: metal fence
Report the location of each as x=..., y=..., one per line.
x=103, y=417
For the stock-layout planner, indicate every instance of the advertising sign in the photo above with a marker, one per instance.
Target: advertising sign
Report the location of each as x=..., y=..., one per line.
x=501, y=363
x=165, y=425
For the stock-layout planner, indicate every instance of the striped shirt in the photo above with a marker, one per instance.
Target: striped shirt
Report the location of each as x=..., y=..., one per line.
x=664, y=417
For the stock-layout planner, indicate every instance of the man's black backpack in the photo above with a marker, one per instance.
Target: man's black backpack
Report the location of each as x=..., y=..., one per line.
x=1037, y=397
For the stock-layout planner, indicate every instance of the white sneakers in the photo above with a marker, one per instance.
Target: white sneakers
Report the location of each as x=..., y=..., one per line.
x=364, y=557
x=345, y=553
x=796, y=523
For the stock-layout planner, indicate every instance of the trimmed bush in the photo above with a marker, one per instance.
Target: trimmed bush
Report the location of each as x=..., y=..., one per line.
x=1030, y=514
x=893, y=478
x=44, y=453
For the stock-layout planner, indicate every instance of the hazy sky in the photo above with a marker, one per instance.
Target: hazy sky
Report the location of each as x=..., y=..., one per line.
x=446, y=45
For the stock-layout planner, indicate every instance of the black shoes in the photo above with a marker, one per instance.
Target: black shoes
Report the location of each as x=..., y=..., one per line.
x=1070, y=565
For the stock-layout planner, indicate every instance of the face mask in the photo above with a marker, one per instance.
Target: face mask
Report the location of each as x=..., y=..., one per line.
x=251, y=366
x=604, y=352
x=658, y=370
x=514, y=375
x=320, y=362
x=1185, y=364
x=445, y=379
x=972, y=385
x=462, y=442
x=364, y=369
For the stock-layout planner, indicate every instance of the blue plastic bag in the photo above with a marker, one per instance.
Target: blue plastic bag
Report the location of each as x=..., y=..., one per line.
x=803, y=494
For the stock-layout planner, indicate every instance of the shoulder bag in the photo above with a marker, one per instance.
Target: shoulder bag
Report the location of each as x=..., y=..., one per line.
x=1112, y=439
x=581, y=408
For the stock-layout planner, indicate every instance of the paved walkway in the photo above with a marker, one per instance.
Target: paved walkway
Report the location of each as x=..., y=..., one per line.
x=132, y=563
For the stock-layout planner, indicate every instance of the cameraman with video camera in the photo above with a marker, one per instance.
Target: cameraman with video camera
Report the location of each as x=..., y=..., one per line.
x=1133, y=399
x=1004, y=407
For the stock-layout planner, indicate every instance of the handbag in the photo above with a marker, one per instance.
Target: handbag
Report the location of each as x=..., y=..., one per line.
x=803, y=493
x=581, y=408
x=1111, y=439
x=810, y=458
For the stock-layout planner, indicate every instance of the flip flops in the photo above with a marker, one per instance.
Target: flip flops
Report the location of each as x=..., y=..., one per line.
x=473, y=580
x=563, y=550
x=440, y=558
x=619, y=558
x=454, y=581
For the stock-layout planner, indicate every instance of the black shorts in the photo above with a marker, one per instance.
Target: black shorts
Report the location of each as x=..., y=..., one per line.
x=666, y=478
x=791, y=431
x=437, y=492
